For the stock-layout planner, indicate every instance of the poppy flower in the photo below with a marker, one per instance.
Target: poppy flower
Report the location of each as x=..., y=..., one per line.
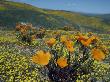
x=70, y=48
x=51, y=41
x=88, y=41
x=63, y=38
x=62, y=62
x=69, y=45
x=41, y=57
x=23, y=30
x=81, y=37
x=97, y=54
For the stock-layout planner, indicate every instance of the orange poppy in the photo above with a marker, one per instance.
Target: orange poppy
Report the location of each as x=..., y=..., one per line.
x=70, y=48
x=23, y=29
x=69, y=45
x=63, y=38
x=81, y=37
x=51, y=41
x=62, y=62
x=87, y=42
x=41, y=57
x=97, y=54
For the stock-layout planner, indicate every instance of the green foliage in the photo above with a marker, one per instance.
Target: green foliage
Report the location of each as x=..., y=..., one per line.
x=2, y=8
x=18, y=12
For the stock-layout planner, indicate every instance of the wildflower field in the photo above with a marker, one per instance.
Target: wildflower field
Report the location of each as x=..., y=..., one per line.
x=54, y=41
x=54, y=56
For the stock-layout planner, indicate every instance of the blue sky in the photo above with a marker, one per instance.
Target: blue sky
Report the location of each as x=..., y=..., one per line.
x=85, y=6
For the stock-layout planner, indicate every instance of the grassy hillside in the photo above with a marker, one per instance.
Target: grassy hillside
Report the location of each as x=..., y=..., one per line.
x=13, y=12
x=105, y=17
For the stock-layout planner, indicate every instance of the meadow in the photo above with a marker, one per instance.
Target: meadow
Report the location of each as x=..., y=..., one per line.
x=16, y=64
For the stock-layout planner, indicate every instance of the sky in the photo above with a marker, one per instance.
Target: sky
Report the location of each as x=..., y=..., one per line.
x=84, y=6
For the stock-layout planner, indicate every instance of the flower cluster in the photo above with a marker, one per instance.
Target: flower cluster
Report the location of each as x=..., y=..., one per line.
x=69, y=55
x=25, y=32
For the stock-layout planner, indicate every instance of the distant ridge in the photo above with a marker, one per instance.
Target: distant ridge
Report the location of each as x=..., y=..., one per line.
x=13, y=12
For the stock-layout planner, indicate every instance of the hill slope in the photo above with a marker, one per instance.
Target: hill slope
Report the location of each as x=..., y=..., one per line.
x=13, y=12
x=105, y=17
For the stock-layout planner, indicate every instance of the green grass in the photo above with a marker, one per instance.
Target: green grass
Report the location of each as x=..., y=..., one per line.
x=2, y=8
